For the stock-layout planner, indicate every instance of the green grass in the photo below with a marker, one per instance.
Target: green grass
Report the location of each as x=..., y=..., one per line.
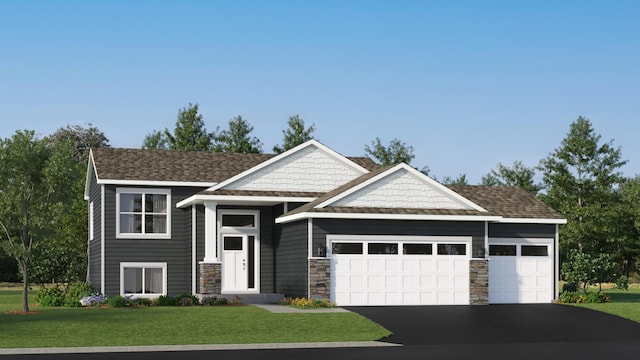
x=623, y=303
x=173, y=325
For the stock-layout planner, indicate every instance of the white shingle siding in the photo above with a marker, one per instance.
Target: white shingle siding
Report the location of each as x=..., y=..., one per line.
x=310, y=169
x=400, y=190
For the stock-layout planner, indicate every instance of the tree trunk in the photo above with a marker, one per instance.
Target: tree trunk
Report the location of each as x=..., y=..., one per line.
x=25, y=288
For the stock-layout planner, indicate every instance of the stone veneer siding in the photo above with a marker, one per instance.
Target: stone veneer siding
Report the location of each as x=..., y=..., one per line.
x=319, y=278
x=479, y=282
x=210, y=278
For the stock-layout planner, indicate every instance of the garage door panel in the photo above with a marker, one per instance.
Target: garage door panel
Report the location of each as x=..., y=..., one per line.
x=514, y=278
x=400, y=278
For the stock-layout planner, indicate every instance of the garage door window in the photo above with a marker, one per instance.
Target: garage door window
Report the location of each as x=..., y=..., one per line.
x=417, y=249
x=382, y=248
x=534, y=250
x=452, y=249
x=502, y=250
x=346, y=248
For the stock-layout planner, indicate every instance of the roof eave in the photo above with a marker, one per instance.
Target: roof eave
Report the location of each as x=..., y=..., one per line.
x=510, y=220
x=239, y=200
x=379, y=216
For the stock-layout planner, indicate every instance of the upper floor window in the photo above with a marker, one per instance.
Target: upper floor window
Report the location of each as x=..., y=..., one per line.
x=143, y=213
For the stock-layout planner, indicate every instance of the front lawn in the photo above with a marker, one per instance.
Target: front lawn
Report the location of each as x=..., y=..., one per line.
x=623, y=303
x=55, y=327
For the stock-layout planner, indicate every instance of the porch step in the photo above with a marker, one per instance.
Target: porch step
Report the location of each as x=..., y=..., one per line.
x=255, y=298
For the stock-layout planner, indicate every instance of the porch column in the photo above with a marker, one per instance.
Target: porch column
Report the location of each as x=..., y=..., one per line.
x=210, y=232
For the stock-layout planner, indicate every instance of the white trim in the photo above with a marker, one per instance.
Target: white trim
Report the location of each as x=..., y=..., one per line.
x=310, y=238
x=193, y=248
x=155, y=183
x=240, y=200
x=520, y=241
x=402, y=166
x=90, y=225
x=556, y=270
x=143, y=191
x=319, y=215
x=402, y=239
x=210, y=233
x=486, y=240
x=532, y=221
x=162, y=265
x=102, y=240
x=90, y=167
x=244, y=231
x=288, y=153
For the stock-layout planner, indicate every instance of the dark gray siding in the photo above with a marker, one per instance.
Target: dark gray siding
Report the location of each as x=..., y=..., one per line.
x=322, y=227
x=522, y=230
x=291, y=259
x=94, y=245
x=176, y=252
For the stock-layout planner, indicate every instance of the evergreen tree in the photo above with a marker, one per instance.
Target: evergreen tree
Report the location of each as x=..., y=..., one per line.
x=238, y=139
x=516, y=175
x=396, y=152
x=295, y=134
x=189, y=133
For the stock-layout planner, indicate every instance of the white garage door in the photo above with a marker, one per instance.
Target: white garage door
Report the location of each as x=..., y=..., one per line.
x=383, y=271
x=520, y=272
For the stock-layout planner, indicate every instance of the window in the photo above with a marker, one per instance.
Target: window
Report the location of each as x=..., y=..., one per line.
x=143, y=213
x=452, y=249
x=417, y=249
x=238, y=220
x=143, y=279
x=502, y=250
x=534, y=250
x=382, y=248
x=91, y=220
x=233, y=242
x=346, y=248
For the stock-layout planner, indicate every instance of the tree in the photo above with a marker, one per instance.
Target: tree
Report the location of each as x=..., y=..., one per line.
x=396, y=152
x=460, y=180
x=82, y=139
x=583, y=269
x=189, y=133
x=516, y=175
x=237, y=138
x=579, y=178
x=34, y=179
x=627, y=227
x=295, y=134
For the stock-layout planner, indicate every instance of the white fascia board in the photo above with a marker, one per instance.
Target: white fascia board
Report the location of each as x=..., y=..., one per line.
x=155, y=183
x=90, y=167
x=436, y=185
x=359, y=216
x=226, y=199
x=532, y=221
x=288, y=153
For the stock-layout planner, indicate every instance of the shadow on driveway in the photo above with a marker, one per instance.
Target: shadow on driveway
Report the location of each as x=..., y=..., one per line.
x=495, y=324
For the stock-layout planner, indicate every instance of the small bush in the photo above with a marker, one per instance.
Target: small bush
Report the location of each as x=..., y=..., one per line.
x=143, y=302
x=192, y=299
x=52, y=296
x=221, y=301
x=209, y=300
x=575, y=297
x=570, y=287
x=77, y=291
x=117, y=301
x=622, y=283
x=166, y=300
x=307, y=303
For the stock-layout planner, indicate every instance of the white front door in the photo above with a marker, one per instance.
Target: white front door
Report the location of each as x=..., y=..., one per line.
x=235, y=263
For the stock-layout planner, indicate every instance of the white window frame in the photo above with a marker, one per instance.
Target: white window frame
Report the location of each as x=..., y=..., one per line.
x=401, y=240
x=91, y=221
x=144, y=265
x=143, y=235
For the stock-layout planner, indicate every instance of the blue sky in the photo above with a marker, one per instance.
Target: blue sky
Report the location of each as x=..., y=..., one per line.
x=467, y=83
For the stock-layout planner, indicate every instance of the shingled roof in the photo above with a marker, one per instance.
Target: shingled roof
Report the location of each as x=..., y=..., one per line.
x=180, y=166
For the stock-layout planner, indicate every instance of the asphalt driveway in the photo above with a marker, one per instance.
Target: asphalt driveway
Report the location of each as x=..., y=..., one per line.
x=499, y=324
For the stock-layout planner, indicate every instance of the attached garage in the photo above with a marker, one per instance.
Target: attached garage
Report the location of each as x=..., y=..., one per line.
x=521, y=271
x=399, y=270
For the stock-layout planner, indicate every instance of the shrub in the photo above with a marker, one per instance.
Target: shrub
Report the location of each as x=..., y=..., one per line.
x=143, y=302
x=186, y=299
x=221, y=301
x=575, y=297
x=117, y=301
x=77, y=291
x=570, y=287
x=166, y=300
x=307, y=303
x=52, y=296
x=622, y=283
x=209, y=300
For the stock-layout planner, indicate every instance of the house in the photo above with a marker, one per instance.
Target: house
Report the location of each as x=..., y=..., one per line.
x=311, y=223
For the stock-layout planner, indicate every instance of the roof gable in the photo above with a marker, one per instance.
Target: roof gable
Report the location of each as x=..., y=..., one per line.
x=309, y=167
x=403, y=187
